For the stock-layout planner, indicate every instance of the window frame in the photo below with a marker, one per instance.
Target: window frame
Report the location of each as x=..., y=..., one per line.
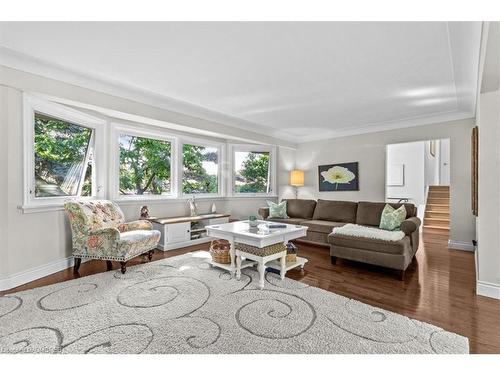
x=233, y=148
x=220, y=166
x=32, y=105
x=118, y=129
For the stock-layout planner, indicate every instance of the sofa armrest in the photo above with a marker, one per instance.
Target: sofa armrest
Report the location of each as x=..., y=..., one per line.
x=264, y=212
x=102, y=240
x=135, y=225
x=410, y=225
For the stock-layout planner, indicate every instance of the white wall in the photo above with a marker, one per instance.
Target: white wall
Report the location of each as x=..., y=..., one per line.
x=444, y=162
x=432, y=163
x=286, y=163
x=411, y=155
x=4, y=260
x=488, y=252
x=369, y=151
x=488, y=121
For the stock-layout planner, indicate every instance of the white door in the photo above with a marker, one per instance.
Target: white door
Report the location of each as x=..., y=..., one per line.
x=444, y=162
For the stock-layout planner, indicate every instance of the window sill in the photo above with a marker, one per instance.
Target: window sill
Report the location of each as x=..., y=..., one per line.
x=39, y=208
x=172, y=200
x=33, y=209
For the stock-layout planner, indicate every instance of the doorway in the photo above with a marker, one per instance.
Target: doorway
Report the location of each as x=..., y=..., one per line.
x=419, y=173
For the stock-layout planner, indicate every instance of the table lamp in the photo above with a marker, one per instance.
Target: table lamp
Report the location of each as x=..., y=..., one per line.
x=296, y=180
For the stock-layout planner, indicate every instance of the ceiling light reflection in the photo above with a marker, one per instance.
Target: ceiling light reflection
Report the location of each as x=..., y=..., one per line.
x=433, y=101
x=428, y=91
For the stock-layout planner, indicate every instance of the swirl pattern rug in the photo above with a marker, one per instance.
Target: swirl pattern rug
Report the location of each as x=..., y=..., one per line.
x=182, y=305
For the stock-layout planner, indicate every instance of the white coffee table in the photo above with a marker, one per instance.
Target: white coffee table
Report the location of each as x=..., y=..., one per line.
x=262, y=236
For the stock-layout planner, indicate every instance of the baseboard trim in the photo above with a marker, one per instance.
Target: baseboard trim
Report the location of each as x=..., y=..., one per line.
x=35, y=273
x=487, y=289
x=460, y=245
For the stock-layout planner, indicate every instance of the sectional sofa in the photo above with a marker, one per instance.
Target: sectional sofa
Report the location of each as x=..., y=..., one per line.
x=323, y=215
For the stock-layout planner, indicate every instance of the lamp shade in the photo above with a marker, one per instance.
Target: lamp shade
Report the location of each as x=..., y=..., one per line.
x=297, y=177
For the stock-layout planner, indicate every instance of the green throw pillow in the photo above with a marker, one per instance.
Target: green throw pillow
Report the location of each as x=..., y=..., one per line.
x=391, y=218
x=277, y=210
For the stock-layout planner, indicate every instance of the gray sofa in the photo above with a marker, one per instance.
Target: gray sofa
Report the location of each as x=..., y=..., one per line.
x=323, y=215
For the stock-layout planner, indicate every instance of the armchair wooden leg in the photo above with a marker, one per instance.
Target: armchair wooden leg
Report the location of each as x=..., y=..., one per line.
x=76, y=266
x=123, y=266
x=109, y=265
x=150, y=254
x=333, y=259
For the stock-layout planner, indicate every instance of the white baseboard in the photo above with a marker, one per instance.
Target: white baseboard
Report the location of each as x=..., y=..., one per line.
x=24, y=277
x=487, y=289
x=460, y=245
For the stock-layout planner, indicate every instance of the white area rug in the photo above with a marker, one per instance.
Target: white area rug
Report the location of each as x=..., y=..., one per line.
x=182, y=305
x=355, y=230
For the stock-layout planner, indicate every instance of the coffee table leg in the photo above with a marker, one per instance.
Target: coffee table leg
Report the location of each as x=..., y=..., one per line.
x=283, y=266
x=238, y=265
x=262, y=272
x=232, y=255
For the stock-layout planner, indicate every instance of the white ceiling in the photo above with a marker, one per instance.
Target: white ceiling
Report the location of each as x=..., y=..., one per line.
x=297, y=80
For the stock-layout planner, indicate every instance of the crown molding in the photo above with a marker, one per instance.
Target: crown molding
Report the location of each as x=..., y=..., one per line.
x=26, y=63
x=392, y=125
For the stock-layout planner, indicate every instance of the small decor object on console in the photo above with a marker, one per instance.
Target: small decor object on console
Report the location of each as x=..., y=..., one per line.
x=144, y=212
x=338, y=177
x=192, y=206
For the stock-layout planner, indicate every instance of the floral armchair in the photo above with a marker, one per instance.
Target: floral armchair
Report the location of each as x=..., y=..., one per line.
x=99, y=231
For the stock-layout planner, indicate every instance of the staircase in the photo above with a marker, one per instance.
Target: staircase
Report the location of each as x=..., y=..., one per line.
x=437, y=209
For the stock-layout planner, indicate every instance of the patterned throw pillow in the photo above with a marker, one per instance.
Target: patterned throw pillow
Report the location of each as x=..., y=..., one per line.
x=391, y=218
x=277, y=210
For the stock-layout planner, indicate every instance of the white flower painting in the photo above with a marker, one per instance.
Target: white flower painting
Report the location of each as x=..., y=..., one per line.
x=338, y=177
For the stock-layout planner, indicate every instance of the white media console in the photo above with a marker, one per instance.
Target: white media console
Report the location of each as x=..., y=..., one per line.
x=184, y=231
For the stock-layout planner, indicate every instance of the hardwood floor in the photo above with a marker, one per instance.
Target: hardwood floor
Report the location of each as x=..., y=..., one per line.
x=439, y=287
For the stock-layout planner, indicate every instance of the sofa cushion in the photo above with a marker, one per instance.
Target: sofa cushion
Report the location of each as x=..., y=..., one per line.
x=338, y=211
x=369, y=213
x=322, y=226
x=277, y=210
x=392, y=218
x=303, y=208
x=379, y=246
x=290, y=220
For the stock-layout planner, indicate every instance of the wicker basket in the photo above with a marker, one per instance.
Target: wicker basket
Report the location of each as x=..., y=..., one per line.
x=291, y=258
x=219, y=250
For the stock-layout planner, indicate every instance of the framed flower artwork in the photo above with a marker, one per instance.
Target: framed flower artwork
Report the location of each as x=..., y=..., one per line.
x=338, y=177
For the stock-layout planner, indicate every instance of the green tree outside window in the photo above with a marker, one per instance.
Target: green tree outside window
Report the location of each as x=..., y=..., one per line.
x=144, y=166
x=63, y=158
x=252, y=175
x=200, y=169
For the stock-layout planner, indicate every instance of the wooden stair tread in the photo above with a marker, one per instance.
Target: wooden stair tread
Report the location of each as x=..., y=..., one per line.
x=436, y=218
x=436, y=227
